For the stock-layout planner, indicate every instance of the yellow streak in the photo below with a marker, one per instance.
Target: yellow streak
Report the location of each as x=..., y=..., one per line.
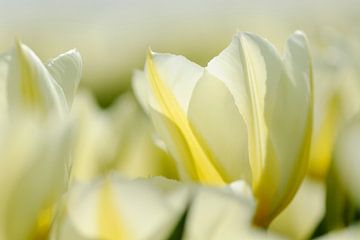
x=205, y=170
x=30, y=93
x=110, y=224
x=323, y=143
x=43, y=223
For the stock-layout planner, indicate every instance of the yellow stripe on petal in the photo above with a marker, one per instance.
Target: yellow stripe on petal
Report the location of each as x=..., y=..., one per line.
x=30, y=93
x=324, y=141
x=110, y=223
x=43, y=223
x=204, y=168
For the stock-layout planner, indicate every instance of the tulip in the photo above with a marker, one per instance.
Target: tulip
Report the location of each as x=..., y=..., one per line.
x=34, y=168
x=35, y=142
x=247, y=115
x=118, y=138
x=116, y=208
x=346, y=160
x=336, y=90
x=155, y=208
x=28, y=84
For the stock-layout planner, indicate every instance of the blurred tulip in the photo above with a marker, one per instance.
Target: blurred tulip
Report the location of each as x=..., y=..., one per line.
x=116, y=139
x=155, y=208
x=247, y=115
x=336, y=90
x=28, y=84
x=35, y=150
x=347, y=159
x=34, y=169
x=115, y=208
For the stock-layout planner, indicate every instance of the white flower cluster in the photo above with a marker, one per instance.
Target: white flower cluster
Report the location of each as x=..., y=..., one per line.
x=252, y=146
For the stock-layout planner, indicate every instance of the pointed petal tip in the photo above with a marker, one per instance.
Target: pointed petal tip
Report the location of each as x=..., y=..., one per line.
x=18, y=41
x=298, y=34
x=75, y=51
x=150, y=52
x=241, y=35
x=18, y=44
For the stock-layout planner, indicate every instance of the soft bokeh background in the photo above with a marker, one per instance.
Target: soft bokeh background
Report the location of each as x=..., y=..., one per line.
x=113, y=35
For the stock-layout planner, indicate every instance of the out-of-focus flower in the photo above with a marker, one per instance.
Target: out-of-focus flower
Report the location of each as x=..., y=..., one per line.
x=35, y=142
x=247, y=115
x=155, y=208
x=115, y=208
x=28, y=84
x=115, y=139
x=216, y=213
x=347, y=158
x=336, y=90
x=34, y=168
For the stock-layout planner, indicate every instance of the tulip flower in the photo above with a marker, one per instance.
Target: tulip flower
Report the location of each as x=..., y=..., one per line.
x=118, y=138
x=346, y=159
x=35, y=147
x=116, y=208
x=34, y=168
x=155, y=208
x=336, y=90
x=28, y=84
x=247, y=115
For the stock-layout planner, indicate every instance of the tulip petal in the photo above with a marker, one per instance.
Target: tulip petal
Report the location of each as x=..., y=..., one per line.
x=220, y=121
x=4, y=69
x=66, y=70
x=216, y=214
x=289, y=119
x=136, y=203
x=307, y=204
x=176, y=144
x=30, y=84
x=172, y=80
x=141, y=89
x=31, y=157
x=245, y=66
x=177, y=74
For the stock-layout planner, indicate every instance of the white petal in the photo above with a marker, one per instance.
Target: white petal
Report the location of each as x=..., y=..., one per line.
x=215, y=214
x=178, y=74
x=4, y=69
x=141, y=89
x=309, y=204
x=171, y=86
x=66, y=70
x=34, y=167
x=217, y=121
x=30, y=85
x=289, y=118
x=245, y=67
x=139, y=209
